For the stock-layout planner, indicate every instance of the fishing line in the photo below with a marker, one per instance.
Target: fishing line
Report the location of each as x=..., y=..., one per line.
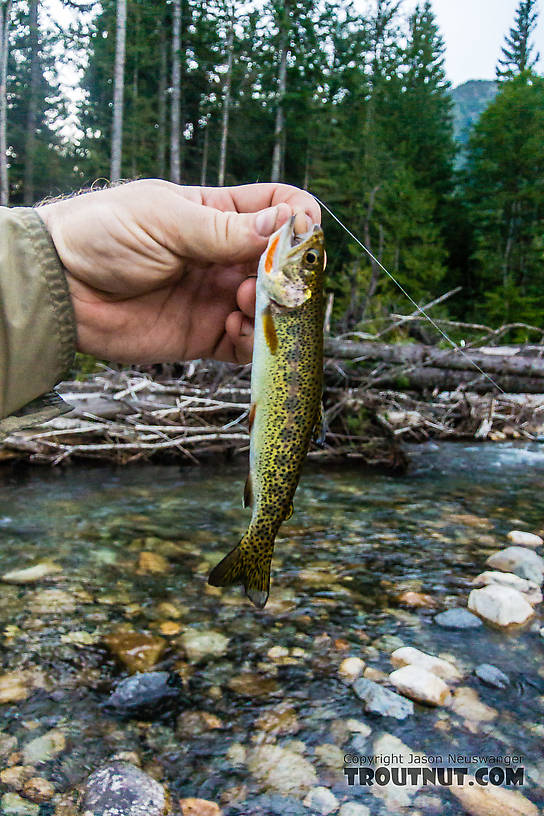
x=446, y=337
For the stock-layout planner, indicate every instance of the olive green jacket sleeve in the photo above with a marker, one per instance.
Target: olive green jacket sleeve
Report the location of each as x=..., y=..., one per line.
x=37, y=327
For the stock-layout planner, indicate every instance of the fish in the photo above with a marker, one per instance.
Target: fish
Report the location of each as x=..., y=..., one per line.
x=286, y=398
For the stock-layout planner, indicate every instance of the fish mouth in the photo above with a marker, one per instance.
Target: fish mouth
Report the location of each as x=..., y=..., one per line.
x=298, y=238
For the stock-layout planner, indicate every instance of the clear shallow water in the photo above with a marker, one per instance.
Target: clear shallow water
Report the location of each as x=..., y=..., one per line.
x=356, y=541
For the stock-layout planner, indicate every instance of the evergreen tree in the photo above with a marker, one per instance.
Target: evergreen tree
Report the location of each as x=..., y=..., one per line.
x=517, y=52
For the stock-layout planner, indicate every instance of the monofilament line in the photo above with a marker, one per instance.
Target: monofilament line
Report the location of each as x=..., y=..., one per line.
x=452, y=343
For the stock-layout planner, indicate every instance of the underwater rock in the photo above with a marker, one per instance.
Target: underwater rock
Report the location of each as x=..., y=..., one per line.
x=121, y=789
x=330, y=755
x=525, y=539
x=466, y=703
x=500, y=605
x=492, y=676
x=458, y=618
x=138, y=651
x=237, y=754
x=250, y=684
x=8, y=744
x=416, y=600
x=191, y=724
x=408, y=656
x=11, y=804
x=353, y=809
x=492, y=801
x=150, y=563
x=13, y=688
x=44, y=748
x=199, y=807
x=203, y=643
x=16, y=776
x=280, y=720
x=149, y=693
x=379, y=700
x=351, y=668
x=53, y=602
x=321, y=801
x=30, y=575
x=519, y=560
x=395, y=797
x=282, y=770
x=528, y=589
x=420, y=685
x=38, y=790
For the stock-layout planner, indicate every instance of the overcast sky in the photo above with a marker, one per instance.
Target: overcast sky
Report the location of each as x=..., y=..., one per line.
x=474, y=32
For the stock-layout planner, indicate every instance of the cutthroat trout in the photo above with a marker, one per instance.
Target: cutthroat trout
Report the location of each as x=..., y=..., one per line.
x=286, y=389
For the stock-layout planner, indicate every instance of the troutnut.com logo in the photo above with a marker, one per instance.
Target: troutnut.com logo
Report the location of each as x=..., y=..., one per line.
x=395, y=769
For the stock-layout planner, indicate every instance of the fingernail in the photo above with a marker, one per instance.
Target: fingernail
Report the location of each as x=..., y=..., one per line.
x=266, y=221
x=303, y=223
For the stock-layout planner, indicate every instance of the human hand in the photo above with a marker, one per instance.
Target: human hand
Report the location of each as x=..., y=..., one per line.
x=158, y=272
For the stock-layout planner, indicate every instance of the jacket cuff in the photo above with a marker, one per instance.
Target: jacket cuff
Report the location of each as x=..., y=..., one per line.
x=37, y=324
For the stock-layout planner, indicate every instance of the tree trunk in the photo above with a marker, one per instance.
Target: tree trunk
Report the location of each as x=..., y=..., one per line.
x=161, y=147
x=118, y=91
x=226, y=107
x=279, y=126
x=4, y=47
x=31, y=116
x=204, y=168
x=175, y=111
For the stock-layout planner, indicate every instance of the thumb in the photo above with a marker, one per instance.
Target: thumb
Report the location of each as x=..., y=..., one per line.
x=209, y=235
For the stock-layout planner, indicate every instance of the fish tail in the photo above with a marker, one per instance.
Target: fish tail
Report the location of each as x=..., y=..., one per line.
x=246, y=564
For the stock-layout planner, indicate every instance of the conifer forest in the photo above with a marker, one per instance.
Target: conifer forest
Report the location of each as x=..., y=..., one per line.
x=350, y=101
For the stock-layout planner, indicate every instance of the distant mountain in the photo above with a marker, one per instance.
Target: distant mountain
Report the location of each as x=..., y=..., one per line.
x=469, y=102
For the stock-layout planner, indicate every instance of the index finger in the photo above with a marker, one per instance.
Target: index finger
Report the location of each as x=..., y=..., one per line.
x=255, y=197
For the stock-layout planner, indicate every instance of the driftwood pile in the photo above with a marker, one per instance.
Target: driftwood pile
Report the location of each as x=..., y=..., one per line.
x=376, y=396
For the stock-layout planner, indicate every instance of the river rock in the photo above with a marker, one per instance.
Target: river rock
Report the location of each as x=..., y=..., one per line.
x=44, y=748
x=55, y=602
x=121, y=789
x=466, y=703
x=149, y=693
x=379, y=700
x=8, y=744
x=500, y=605
x=353, y=809
x=396, y=797
x=408, y=656
x=351, y=668
x=321, y=800
x=523, y=539
x=416, y=600
x=13, y=688
x=458, y=618
x=280, y=720
x=199, y=807
x=420, y=685
x=138, y=651
x=519, y=560
x=251, y=684
x=528, y=589
x=30, y=575
x=492, y=676
x=199, y=644
x=150, y=563
x=38, y=789
x=282, y=770
x=11, y=804
x=492, y=801
x=190, y=724
x=237, y=754
x=330, y=755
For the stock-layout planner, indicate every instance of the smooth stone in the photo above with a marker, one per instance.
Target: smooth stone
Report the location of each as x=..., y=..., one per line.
x=13, y=688
x=351, y=668
x=38, y=789
x=237, y=753
x=251, y=684
x=492, y=676
x=321, y=800
x=500, y=605
x=138, y=651
x=420, y=685
x=190, y=724
x=199, y=807
x=466, y=703
x=492, y=801
x=458, y=618
x=150, y=563
x=122, y=789
x=8, y=744
x=523, y=539
x=30, y=575
x=147, y=693
x=16, y=776
x=329, y=755
x=395, y=797
x=203, y=643
x=11, y=804
x=529, y=589
x=44, y=748
x=408, y=656
x=519, y=560
x=280, y=720
x=53, y=602
x=379, y=700
x=416, y=600
x=282, y=770
x=353, y=809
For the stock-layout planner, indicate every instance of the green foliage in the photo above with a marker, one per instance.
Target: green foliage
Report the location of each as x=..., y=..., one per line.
x=517, y=53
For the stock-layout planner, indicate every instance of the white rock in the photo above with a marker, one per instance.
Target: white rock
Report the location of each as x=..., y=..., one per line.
x=351, y=668
x=44, y=748
x=395, y=797
x=30, y=575
x=282, y=770
x=500, y=605
x=199, y=644
x=525, y=539
x=492, y=801
x=408, y=656
x=321, y=800
x=421, y=685
x=353, y=809
x=529, y=589
x=520, y=560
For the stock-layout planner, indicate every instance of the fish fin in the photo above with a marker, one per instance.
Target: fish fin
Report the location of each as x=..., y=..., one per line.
x=320, y=427
x=248, y=492
x=270, y=331
x=243, y=566
x=290, y=512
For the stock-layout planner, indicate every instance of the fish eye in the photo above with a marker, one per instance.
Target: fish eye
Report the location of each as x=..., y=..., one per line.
x=311, y=257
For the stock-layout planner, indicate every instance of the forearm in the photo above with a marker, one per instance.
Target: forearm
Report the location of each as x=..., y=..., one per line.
x=37, y=329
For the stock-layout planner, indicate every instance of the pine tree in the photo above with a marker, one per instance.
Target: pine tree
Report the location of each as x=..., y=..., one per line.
x=517, y=52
